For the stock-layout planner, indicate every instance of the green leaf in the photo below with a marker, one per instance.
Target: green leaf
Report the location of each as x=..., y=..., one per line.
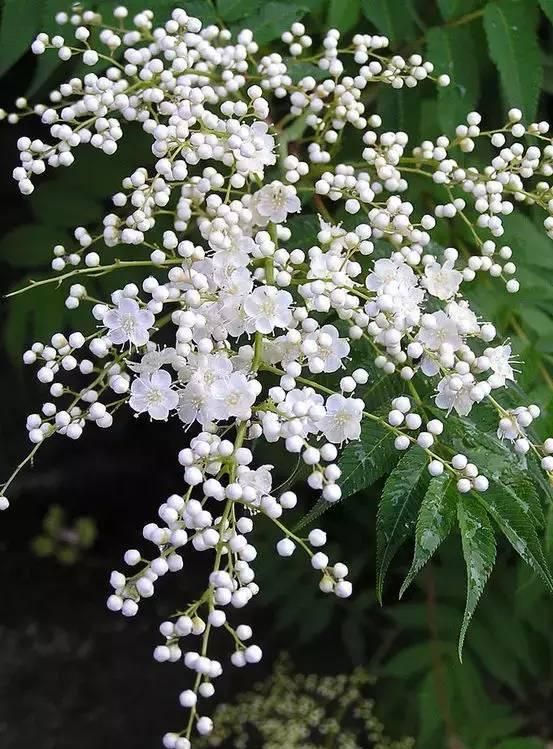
x=234, y=10
x=485, y=449
x=453, y=8
x=397, y=510
x=79, y=209
x=547, y=7
x=274, y=18
x=452, y=51
x=409, y=662
x=480, y=447
x=391, y=18
x=531, y=247
x=519, y=528
x=400, y=109
x=521, y=743
x=29, y=246
x=49, y=61
x=364, y=462
x=343, y=15
x=434, y=524
x=511, y=30
x=304, y=230
x=430, y=712
x=202, y=9
x=298, y=70
x=523, y=493
x=20, y=24
x=479, y=550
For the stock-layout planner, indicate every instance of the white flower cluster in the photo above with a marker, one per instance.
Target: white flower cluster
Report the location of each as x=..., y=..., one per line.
x=252, y=316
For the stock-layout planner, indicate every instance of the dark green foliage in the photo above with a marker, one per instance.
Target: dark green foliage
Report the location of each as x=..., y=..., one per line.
x=434, y=523
x=511, y=30
x=398, y=509
x=453, y=51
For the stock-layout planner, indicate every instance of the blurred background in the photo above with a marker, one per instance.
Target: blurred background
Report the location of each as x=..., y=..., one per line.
x=74, y=675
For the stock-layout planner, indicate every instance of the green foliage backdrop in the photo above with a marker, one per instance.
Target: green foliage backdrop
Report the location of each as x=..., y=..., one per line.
x=498, y=54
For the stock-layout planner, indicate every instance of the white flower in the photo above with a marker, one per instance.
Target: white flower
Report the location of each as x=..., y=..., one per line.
x=280, y=350
x=499, y=357
x=268, y=308
x=456, y=392
x=260, y=479
x=236, y=254
x=331, y=349
x=195, y=403
x=252, y=148
x=153, y=393
x=274, y=202
x=309, y=400
x=438, y=330
x=387, y=271
x=442, y=281
x=205, y=369
x=463, y=317
x=397, y=294
x=128, y=323
x=343, y=418
x=234, y=396
x=154, y=360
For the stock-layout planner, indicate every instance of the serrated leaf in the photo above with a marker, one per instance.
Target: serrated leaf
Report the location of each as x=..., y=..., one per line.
x=519, y=529
x=364, y=462
x=434, y=524
x=479, y=549
x=319, y=508
x=397, y=510
x=452, y=51
x=512, y=39
x=20, y=23
x=391, y=18
x=343, y=15
x=480, y=430
x=497, y=460
x=480, y=447
x=523, y=492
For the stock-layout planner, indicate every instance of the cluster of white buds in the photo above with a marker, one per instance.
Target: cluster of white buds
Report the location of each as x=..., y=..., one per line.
x=251, y=318
x=218, y=519
x=296, y=39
